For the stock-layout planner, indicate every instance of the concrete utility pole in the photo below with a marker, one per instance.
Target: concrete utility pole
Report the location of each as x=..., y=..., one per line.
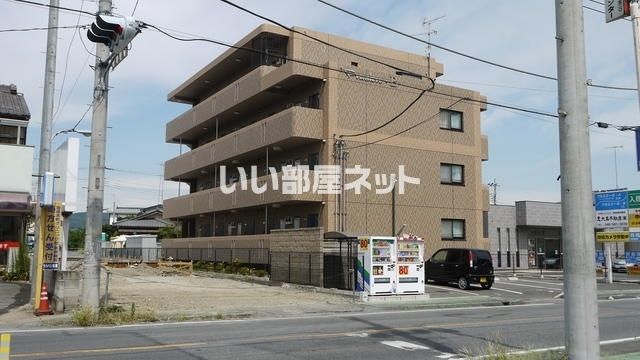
x=615, y=160
x=581, y=327
x=95, y=193
x=635, y=20
x=45, y=139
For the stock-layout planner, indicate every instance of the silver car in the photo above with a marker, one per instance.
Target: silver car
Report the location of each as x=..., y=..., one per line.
x=619, y=265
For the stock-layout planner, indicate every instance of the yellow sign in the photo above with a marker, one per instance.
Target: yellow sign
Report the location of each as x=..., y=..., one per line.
x=52, y=222
x=364, y=244
x=614, y=236
x=634, y=218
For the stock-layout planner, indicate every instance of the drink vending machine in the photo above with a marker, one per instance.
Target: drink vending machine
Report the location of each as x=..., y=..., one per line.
x=390, y=265
x=376, y=265
x=410, y=264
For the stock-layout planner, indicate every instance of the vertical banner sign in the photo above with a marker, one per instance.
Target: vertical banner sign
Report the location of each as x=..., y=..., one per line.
x=52, y=224
x=634, y=215
x=616, y=9
x=611, y=209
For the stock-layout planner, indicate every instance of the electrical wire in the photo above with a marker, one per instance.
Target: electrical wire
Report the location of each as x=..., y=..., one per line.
x=66, y=65
x=45, y=28
x=55, y=7
x=135, y=7
x=488, y=62
x=409, y=128
x=202, y=39
x=392, y=119
x=85, y=46
x=403, y=71
x=66, y=100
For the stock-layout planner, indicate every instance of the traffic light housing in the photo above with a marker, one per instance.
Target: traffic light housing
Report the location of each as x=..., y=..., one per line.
x=116, y=32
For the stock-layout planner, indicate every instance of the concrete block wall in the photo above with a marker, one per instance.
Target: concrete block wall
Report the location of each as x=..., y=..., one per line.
x=296, y=256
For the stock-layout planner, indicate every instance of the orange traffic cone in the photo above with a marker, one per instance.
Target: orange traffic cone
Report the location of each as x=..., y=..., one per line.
x=44, y=308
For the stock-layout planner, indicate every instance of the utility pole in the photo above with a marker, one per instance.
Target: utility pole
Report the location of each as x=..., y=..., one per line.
x=581, y=329
x=494, y=194
x=635, y=20
x=615, y=160
x=45, y=142
x=95, y=193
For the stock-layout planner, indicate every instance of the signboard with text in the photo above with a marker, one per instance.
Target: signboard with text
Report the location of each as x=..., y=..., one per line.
x=612, y=236
x=634, y=214
x=616, y=9
x=52, y=219
x=611, y=209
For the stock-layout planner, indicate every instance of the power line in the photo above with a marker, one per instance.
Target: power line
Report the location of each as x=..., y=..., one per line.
x=488, y=62
x=403, y=71
x=409, y=128
x=392, y=119
x=85, y=46
x=44, y=28
x=66, y=100
x=135, y=7
x=202, y=39
x=55, y=7
x=66, y=65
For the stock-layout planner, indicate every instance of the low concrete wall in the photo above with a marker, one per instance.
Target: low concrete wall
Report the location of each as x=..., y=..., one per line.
x=296, y=256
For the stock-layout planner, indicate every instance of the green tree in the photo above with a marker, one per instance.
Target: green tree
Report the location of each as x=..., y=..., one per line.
x=110, y=230
x=76, y=239
x=168, y=232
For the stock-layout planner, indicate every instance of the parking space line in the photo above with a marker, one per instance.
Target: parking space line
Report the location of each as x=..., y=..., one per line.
x=531, y=286
x=454, y=289
x=542, y=282
x=511, y=291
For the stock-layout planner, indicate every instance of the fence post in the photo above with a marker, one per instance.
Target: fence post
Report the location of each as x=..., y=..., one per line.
x=289, y=266
x=249, y=257
x=269, y=264
x=309, y=269
x=231, y=256
x=200, y=254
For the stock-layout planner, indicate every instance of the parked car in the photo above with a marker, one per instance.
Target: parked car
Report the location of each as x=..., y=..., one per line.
x=552, y=263
x=462, y=266
x=619, y=265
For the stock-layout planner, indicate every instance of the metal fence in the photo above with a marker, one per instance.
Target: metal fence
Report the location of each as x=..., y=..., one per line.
x=331, y=270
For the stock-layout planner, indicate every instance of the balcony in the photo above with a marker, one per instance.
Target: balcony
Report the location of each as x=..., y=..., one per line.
x=214, y=200
x=246, y=94
x=291, y=125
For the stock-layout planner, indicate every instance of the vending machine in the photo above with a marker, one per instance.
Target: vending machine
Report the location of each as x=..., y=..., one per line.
x=377, y=265
x=410, y=264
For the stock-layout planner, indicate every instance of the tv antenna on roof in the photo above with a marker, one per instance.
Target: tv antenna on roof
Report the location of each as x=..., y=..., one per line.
x=427, y=24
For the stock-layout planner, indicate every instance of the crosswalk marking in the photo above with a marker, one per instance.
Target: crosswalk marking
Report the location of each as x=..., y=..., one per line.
x=403, y=345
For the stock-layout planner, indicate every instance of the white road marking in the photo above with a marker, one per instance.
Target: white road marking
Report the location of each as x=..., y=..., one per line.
x=403, y=345
x=524, y=352
x=449, y=356
x=360, y=335
x=541, y=282
x=559, y=295
x=532, y=286
x=510, y=291
x=454, y=289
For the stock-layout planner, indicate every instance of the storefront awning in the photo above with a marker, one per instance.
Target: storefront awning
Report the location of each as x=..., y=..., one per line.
x=15, y=202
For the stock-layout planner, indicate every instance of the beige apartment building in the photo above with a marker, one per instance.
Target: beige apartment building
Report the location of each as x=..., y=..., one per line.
x=291, y=100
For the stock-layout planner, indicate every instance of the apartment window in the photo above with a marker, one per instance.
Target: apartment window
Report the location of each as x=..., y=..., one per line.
x=451, y=120
x=452, y=174
x=312, y=220
x=452, y=229
x=9, y=134
x=313, y=160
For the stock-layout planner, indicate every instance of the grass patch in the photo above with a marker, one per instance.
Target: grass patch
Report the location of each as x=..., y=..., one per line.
x=111, y=315
x=234, y=268
x=496, y=351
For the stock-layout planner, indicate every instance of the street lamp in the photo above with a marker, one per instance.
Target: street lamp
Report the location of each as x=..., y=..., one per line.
x=86, y=133
x=615, y=159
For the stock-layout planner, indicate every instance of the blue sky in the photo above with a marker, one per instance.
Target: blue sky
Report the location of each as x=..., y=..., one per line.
x=523, y=148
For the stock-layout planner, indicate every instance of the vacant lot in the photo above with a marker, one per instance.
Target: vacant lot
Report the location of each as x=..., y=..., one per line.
x=203, y=296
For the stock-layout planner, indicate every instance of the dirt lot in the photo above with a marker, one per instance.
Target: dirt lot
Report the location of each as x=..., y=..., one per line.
x=201, y=296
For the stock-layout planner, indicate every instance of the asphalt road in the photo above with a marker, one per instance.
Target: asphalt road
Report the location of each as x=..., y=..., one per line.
x=12, y=295
x=417, y=334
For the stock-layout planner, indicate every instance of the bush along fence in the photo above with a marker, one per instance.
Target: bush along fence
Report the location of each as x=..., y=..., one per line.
x=306, y=268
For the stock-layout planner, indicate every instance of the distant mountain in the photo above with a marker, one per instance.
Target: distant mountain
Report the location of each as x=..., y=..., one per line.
x=79, y=220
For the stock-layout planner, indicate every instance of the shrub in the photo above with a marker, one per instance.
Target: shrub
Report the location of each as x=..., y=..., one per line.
x=111, y=315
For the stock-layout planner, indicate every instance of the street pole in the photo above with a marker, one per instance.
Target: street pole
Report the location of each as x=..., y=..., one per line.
x=393, y=208
x=635, y=20
x=45, y=142
x=615, y=160
x=95, y=193
x=581, y=327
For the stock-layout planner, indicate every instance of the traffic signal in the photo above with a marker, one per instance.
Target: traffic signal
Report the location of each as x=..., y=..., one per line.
x=116, y=32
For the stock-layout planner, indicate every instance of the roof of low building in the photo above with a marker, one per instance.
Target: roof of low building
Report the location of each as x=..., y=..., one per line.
x=13, y=104
x=142, y=224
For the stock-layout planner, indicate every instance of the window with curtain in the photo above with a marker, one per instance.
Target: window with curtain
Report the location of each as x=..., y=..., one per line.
x=451, y=120
x=452, y=174
x=453, y=229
